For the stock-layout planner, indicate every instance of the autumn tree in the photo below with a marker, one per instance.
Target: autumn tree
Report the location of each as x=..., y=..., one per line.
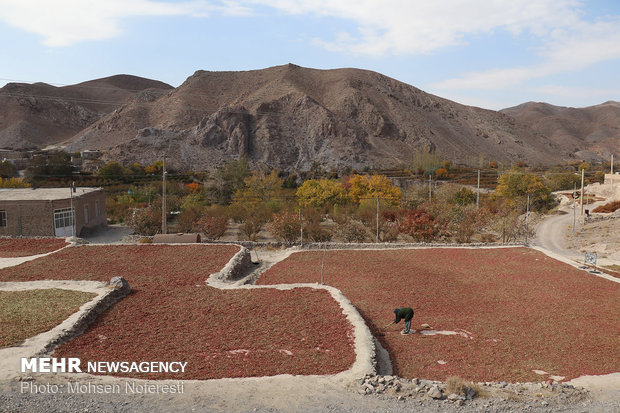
x=285, y=226
x=13, y=183
x=321, y=193
x=145, y=221
x=212, y=227
x=419, y=224
x=156, y=168
x=515, y=186
x=363, y=187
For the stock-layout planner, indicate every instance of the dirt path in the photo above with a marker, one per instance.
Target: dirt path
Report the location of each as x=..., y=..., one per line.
x=555, y=235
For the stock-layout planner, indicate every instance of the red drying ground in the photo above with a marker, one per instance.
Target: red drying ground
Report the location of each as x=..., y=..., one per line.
x=172, y=315
x=23, y=247
x=525, y=310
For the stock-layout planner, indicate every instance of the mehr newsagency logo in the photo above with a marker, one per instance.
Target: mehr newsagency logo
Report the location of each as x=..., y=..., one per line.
x=74, y=365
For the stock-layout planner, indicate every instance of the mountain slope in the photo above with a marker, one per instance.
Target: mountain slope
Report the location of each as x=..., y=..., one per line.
x=588, y=132
x=37, y=115
x=291, y=118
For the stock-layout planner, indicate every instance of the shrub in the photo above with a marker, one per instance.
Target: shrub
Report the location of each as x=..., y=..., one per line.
x=419, y=224
x=353, y=231
x=145, y=221
x=317, y=233
x=608, y=208
x=213, y=227
x=252, y=218
x=285, y=226
x=313, y=228
x=188, y=217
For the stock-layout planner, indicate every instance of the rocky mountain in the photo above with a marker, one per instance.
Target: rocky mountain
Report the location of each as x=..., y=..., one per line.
x=291, y=118
x=38, y=115
x=588, y=133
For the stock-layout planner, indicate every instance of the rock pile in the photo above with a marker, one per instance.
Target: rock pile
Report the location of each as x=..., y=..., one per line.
x=403, y=389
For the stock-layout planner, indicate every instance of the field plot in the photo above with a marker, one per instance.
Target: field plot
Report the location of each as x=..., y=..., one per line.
x=172, y=315
x=23, y=247
x=24, y=314
x=516, y=310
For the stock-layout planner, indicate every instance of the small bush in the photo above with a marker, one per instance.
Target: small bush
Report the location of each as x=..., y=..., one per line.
x=353, y=231
x=285, y=226
x=608, y=208
x=145, y=221
x=317, y=233
x=211, y=227
x=456, y=385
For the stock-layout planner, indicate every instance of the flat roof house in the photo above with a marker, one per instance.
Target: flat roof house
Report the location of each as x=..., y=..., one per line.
x=51, y=211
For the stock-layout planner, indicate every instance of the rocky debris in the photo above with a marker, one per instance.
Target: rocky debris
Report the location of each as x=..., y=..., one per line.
x=403, y=389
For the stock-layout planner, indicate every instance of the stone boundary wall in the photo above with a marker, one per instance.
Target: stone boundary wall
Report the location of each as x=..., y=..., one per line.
x=361, y=245
x=89, y=315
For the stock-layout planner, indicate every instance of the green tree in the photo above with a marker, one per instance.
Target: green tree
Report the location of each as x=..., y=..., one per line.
x=228, y=180
x=59, y=164
x=56, y=165
x=113, y=171
x=7, y=169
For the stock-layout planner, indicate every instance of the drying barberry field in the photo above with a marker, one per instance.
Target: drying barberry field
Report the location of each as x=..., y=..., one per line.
x=516, y=310
x=171, y=314
x=23, y=247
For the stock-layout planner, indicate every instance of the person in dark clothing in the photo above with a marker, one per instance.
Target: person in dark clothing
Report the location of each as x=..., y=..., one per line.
x=406, y=314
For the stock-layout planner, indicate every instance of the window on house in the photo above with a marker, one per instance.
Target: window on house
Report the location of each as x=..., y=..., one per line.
x=96, y=208
x=85, y=214
x=2, y=218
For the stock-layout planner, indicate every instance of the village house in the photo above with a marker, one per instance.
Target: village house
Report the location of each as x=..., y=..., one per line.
x=60, y=212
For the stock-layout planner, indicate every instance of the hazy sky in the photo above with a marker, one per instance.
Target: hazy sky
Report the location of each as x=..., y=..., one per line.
x=488, y=53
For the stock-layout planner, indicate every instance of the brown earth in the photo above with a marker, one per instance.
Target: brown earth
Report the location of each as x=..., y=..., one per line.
x=286, y=117
x=587, y=132
x=291, y=117
x=37, y=115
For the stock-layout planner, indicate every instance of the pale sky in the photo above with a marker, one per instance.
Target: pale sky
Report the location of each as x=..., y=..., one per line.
x=488, y=53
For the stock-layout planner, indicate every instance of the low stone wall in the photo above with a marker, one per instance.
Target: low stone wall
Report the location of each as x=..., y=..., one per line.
x=363, y=245
x=118, y=287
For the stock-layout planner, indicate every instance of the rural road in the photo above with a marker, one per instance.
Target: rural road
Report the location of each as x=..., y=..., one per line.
x=551, y=232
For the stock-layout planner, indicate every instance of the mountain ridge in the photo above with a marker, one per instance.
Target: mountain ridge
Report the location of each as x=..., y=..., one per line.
x=290, y=117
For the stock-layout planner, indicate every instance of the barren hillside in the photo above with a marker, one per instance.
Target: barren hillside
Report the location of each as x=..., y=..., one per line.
x=38, y=115
x=589, y=132
x=291, y=117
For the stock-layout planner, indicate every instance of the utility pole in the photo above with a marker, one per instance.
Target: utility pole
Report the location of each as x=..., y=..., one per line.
x=163, y=198
x=377, y=240
x=430, y=178
x=574, y=207
x=301, y=227
x=582, y=176
x=72, y=210
x=478, y=192
x=527, y=217
x=323, y=263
